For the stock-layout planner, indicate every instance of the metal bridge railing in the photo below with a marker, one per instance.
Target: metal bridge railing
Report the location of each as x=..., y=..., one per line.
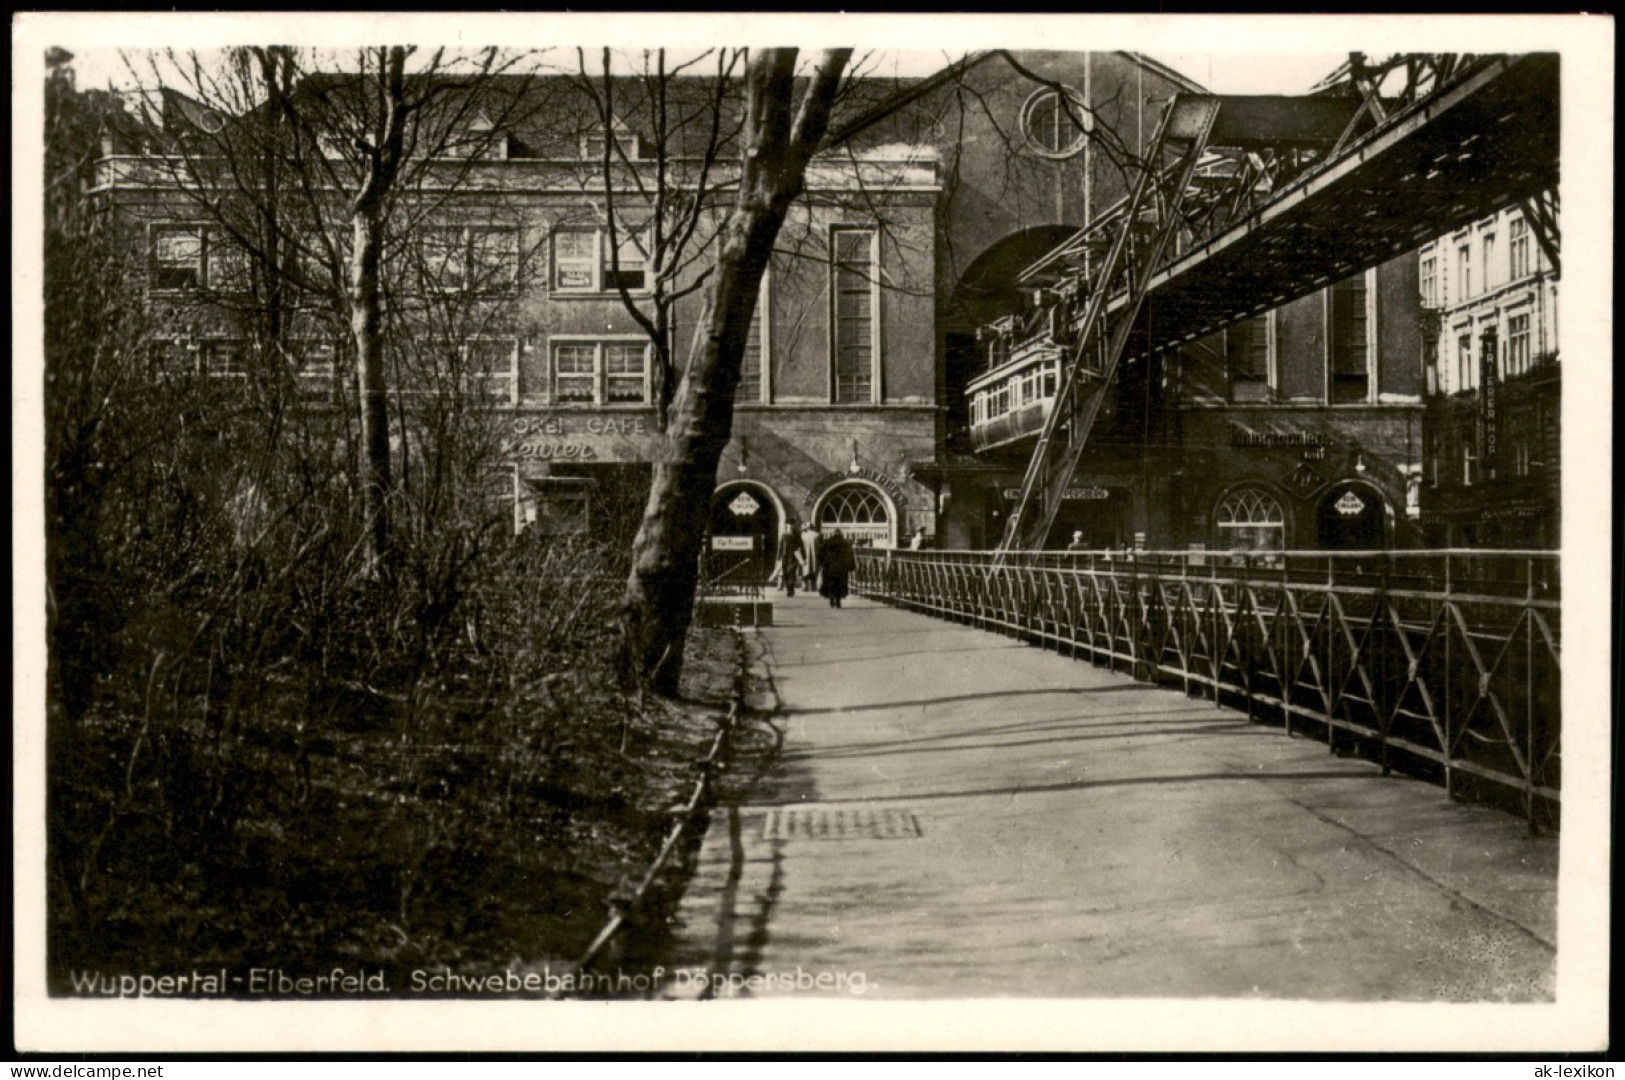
x=1444, y=663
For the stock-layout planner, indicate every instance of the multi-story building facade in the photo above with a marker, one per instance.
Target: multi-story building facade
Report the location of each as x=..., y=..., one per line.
x=1492, y=433
x=852, y=406
x=898, y=366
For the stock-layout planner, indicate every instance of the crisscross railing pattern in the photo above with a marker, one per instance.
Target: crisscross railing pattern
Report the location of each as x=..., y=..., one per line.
x=1446, y=663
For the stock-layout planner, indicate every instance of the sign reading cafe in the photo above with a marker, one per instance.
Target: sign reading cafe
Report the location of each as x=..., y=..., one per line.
x=548, y=437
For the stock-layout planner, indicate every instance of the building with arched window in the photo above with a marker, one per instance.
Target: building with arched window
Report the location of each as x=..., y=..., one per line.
x=896, y=360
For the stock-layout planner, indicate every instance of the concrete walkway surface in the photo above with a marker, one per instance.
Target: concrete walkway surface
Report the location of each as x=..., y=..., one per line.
x=955, y=814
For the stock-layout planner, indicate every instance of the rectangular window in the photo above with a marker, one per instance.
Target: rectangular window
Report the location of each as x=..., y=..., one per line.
x=444, y=261
x=477, y=140
x=228, y=263
x=626, y=264
x=493, y=364
x=226, y=359
x=1430, y=282
x=196, y=257
x=493, y=258
x=1464, y=272
x=601, y=372
x=177, y=257
x=1247, y=352
x=1349, y=347
x=625, y=381
x=584, y=262
x=1517, y=345
x=1469, y=463
x=575, y=255
x=628, y=145
x=575, y=379
x=171, y=359
x=1464, y=363
x=854, y=289
x=1491, y=276
x=1518, y=248
x=315, y=366
x=481, y=258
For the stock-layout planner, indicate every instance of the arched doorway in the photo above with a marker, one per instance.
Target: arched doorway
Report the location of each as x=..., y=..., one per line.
x=1352, y=517
x=861, y=511
x=1249, y=519
x=745, y=525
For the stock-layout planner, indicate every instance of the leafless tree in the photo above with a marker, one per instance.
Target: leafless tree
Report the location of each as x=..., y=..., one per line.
x=318, y=171
x=781, y=135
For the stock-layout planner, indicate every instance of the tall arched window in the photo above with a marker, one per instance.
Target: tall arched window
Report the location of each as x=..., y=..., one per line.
x=859, y=512
x=1250, y=519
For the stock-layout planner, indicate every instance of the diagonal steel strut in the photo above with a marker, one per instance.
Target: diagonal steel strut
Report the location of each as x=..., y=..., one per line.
x=1185, y=128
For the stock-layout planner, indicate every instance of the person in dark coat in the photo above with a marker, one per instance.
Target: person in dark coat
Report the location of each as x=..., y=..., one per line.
x=835, y=563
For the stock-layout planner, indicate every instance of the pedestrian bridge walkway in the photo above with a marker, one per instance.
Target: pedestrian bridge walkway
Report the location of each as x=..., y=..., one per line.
x=954, y=814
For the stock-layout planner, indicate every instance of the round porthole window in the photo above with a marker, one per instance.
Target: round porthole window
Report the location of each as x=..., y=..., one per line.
x=1056, y=125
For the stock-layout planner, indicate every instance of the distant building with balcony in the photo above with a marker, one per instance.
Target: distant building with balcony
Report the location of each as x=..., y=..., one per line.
x=1492, y=434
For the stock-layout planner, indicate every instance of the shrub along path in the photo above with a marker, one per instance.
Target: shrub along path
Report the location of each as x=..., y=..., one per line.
x=470, y=839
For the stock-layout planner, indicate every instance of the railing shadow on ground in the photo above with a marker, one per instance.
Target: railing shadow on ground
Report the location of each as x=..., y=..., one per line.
x=1443, y=664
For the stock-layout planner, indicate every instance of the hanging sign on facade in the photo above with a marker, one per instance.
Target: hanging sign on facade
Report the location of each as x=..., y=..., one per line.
x=1243, y=436
x=1488, y=394
x=879, y=479
x=1350, y=505
x=743, y=505
x=1072, y=494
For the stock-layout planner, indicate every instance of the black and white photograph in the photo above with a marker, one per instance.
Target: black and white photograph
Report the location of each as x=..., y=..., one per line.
x=759, y=533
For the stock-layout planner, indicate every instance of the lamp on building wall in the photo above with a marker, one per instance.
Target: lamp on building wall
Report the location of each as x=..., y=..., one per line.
x=1359, y=459
x=744, y=454
x=853, y=467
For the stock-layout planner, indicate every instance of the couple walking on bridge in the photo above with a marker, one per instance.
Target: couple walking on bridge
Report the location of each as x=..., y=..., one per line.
x=817, y=561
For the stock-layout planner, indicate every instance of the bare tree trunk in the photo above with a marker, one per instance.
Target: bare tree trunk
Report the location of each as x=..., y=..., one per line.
x=366, y=327
x=383, y=156
x=665, y=555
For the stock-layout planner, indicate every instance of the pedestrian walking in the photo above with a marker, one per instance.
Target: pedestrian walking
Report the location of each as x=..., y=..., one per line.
x=791, y=566
x=810, y=540
x=835, y=563
x=1077, y=541
x=919, y=539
